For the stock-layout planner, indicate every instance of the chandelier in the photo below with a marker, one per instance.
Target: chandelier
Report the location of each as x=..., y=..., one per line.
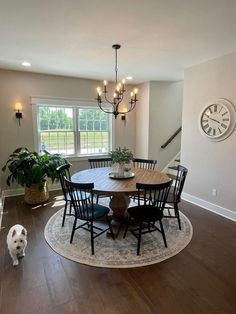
x=118, y=94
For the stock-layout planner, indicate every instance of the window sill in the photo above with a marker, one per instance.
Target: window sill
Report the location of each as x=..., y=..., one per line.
x=85, y=157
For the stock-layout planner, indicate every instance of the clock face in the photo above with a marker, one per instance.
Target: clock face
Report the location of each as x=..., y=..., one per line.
x=217, y=120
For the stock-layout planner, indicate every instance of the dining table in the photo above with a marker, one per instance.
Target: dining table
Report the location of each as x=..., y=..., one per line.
x=120, y=189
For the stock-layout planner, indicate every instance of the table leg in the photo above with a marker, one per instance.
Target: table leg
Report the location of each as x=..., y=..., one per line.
x=119, y=205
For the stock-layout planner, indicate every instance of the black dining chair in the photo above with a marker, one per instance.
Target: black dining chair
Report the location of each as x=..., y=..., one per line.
x=144, y=163
x=174, y=197
x=100, y=163
x=151, y=204
x=63, y=172
x=87, y=211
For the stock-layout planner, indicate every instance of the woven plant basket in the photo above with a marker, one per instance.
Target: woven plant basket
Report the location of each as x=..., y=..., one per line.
x=34, y=197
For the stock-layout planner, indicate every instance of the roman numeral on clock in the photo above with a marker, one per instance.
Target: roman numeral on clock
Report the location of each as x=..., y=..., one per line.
x=209, y=130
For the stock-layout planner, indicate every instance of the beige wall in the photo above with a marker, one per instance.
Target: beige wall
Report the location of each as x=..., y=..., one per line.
x=142, y=122
x=211, y=164
x=165, y=118
x=19, y=86
x=158, y=116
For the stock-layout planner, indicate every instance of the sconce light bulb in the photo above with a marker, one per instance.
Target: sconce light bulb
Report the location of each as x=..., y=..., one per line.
x=135, y=90
x=18, y=106
x=123, y=81
x=98, y=89
x=105, y=83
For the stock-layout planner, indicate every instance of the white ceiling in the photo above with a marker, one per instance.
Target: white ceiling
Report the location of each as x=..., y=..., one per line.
x=159, y=38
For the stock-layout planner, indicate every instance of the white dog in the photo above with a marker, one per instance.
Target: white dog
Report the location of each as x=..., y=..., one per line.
x=16, y=242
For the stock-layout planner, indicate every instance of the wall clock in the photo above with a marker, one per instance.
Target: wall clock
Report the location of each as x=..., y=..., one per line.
x=217, y=119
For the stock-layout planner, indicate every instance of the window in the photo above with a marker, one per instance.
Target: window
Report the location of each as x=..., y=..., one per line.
x=93, y=131
x=73, y=130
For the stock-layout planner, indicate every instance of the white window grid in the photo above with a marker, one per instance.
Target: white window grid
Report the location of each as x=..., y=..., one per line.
x=76, y=151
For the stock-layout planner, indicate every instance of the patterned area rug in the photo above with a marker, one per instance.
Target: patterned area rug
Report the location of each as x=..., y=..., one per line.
x=118, y=253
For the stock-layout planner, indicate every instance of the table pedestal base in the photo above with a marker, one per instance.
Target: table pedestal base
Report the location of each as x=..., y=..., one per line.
x=119, y=205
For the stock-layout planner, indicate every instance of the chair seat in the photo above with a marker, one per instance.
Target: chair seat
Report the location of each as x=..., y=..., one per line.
x=99, y=211
x=145, y=213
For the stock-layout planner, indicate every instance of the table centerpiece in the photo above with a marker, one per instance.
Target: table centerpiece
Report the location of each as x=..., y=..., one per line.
x=121, y=158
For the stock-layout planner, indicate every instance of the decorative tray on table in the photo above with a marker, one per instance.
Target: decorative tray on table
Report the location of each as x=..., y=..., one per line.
x=127, y=175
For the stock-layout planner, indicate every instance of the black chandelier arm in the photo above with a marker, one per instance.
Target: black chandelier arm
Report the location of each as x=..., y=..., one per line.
x=106, y=111
x=132, y=106
x=107, y=100
x=115, y=102
x=120, y=99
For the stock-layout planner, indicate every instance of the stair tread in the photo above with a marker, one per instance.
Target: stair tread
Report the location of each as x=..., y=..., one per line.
x=172, y=176
x=173, y=167
x=178, y=160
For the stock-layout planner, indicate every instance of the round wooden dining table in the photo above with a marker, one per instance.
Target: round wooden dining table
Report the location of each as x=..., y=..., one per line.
x=119, y=189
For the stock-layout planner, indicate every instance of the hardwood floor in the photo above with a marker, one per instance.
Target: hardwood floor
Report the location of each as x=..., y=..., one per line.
x=200, y=279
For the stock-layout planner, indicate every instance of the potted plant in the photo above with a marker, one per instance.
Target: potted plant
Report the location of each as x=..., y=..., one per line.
x=122, y=157
x=31, y=170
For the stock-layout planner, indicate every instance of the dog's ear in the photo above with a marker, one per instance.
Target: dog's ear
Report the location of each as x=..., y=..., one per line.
x=23, y=232
x=13, y=233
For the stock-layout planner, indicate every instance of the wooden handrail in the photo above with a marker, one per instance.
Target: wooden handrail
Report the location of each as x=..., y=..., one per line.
x=171, y=138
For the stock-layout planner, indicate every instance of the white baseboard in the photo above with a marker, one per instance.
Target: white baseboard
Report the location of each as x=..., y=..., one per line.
x=227, y=213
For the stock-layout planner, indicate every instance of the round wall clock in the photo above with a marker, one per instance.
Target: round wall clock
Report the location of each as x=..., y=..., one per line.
x=217, y=120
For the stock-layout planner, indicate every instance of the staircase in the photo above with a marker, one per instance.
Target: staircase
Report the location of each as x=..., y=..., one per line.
x=172, y=168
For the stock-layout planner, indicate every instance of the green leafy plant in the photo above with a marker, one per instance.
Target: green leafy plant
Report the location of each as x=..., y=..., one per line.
x=28, y=168
x=121, y=156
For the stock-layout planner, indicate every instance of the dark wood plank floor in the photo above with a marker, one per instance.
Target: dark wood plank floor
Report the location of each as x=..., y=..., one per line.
x=200, y=279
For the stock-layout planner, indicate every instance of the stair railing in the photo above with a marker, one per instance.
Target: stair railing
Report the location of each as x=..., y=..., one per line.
x=171, y=138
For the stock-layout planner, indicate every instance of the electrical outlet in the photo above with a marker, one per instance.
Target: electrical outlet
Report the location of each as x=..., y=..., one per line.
x=214, y=192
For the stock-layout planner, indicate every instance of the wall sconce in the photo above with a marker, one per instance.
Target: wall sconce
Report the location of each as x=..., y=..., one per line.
x=18, y=108
x=123, y=117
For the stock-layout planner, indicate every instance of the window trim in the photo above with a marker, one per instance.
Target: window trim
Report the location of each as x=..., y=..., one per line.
x=74, y=103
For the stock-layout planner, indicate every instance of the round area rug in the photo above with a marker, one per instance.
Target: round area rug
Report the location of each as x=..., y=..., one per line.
x=118, y=253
